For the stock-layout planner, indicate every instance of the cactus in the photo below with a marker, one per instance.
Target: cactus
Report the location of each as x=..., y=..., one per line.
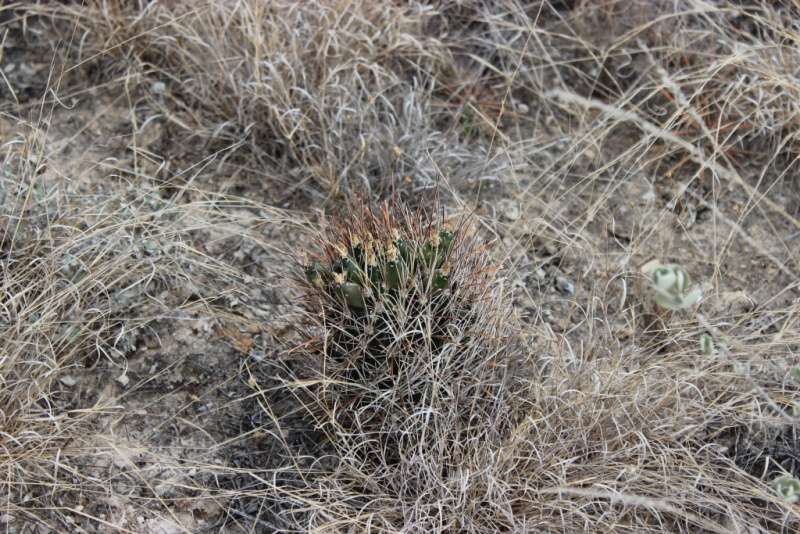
x=408, y=344
x=390, y=292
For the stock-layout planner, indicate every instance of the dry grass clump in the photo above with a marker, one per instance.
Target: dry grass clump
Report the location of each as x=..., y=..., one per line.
x=83, y=275
x=62, y=293
x=335, y=97
x=737, y=66
x=408, y=342
x=711, y=86
x=75, y=267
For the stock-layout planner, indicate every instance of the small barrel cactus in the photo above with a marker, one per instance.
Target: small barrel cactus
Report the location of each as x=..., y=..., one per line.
x=383, y=270
x=407, y=334
x=392, y=299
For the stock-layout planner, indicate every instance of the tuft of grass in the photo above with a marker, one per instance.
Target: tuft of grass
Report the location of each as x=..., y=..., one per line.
x=74, y=268
x=335, y=98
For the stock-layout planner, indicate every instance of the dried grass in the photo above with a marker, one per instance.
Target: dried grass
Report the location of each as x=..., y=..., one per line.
x=336, y=98
x=627, y=131
x=85, y=277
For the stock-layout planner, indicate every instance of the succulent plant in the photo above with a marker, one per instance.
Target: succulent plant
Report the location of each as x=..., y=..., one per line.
x=671, y=282
x=384, y=270
x=396, y=297
x=787, y=488
x=408, y=345
x=741, y=368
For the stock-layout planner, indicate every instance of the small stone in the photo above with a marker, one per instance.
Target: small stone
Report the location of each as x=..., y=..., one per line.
x=68, y=381
x=509, y=209
x=625, y=223
x=565, y=285
x=648, y=267
x=123, y=379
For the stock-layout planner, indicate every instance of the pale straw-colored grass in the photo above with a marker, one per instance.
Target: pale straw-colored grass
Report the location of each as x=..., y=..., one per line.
x=623, y=133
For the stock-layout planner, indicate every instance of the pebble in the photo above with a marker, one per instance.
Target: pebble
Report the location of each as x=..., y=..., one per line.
x=509, y=209
x=565, y=285
x=625, y=223
x=649, y=267
x=68, y=381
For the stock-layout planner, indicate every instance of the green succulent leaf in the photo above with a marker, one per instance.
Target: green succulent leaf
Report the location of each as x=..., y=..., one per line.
x=317, y=274
x=440, y=279
x=396, y=271
x=402, y=246
x=446, y=237
x=375, y=277
x=706, y=344
x=429, y=251
x=357, y=249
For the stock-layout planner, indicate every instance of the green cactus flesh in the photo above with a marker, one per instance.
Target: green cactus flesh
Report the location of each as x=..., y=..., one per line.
x=378, y=269
x=390, y=299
